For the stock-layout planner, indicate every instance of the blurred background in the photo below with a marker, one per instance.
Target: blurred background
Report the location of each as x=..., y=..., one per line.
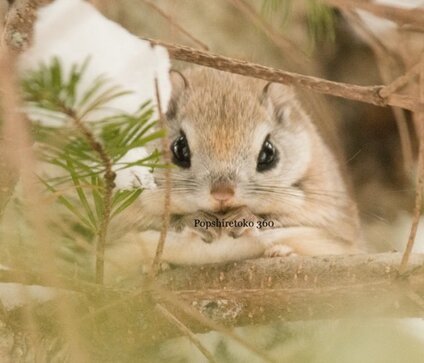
x=377, y=148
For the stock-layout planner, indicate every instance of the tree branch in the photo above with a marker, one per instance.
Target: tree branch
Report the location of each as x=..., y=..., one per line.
x=257, y=291
x=19, y=23
x=186, y=332
x=368, y=94
x=173, y=23
x=263, y=290
x=401, y=16
x=109, y=184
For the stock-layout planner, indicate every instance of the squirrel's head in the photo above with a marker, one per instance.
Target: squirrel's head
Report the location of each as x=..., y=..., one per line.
x=235, y=141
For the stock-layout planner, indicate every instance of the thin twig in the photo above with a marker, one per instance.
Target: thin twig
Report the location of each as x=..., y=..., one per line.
x=420, y=175
x=389, y=66
x=290, y=50
x=185, y=331
x=175, y=24
x=401, y=16
x=167, y=201
x=417, y=299
x=368, y=94
x=401, y=81
x=174, y=300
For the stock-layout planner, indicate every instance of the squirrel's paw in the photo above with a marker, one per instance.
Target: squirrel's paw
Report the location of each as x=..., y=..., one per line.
x=187, y=223
x=239, y=214
x=279, y=251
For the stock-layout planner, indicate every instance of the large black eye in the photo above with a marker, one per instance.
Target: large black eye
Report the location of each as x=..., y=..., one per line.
x=268, y=157
x=181, y=152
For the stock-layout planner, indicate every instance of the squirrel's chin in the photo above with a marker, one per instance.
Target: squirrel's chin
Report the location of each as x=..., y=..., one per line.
x=223, y=209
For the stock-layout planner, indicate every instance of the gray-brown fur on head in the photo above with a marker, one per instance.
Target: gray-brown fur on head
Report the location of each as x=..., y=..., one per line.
x=220, y=104
x=226, y=119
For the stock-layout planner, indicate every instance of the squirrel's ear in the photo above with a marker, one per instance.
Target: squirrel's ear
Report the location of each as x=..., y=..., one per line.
x=277, y=94
x=277, y=97
x=179, y=84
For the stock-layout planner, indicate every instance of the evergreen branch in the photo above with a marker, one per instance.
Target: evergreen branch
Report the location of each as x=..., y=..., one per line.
x=130, y=197
x=109, y=178
x=68, y=204
x=81, y=193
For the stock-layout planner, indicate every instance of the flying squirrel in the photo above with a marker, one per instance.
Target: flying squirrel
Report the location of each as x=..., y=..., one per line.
x=243, y=150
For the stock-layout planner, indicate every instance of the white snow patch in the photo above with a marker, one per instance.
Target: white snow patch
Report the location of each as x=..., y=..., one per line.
x=406, y=4
x=380, y=26
x=74, y=31
x=14, y=295
x=135, y=176
x=400, y=231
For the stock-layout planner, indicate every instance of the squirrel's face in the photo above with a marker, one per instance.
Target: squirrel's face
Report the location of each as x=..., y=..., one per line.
x=235, y=142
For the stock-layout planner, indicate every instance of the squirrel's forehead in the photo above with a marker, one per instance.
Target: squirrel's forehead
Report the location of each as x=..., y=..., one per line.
x=221, y=141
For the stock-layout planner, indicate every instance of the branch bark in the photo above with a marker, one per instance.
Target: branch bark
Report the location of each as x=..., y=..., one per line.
x=261, y=291
x=299, y=288
x=19, y=23
x=368, y=94
x=401, y=16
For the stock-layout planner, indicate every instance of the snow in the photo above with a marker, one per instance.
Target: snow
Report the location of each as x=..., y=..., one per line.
x=14, y=295
x=73, y=31
x=407, y=4
x=380, y=26
x=136, y=176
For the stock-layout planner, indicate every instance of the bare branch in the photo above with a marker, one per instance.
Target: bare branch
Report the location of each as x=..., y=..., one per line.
x=390, y=65
x=193, y=314
x=401, y=81
x=401, y=16
x=368, y=94
x=19, y=24
x=420, y=173
x=262, y=291
x=167, y=194
x=186, y=331
x=290, y=50
x=175, y=24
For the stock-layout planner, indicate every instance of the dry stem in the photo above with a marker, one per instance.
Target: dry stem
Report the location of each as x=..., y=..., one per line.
x=185, y=331
x=401, y=16
x=420, y=174
x=192, y=313
x=401, y=81
x=265, y=290
x=368, y=94
x=175, y=24
x=167, y=196
x=389, y=66
x=289, y=49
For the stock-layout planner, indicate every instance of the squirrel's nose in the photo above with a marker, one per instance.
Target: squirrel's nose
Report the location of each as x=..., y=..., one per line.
x=222, y=192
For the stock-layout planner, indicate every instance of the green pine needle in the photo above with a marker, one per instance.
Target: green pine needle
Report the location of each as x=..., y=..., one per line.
x=56, y=95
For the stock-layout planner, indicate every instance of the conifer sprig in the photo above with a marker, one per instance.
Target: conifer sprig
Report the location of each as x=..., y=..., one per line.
x=87, y=151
